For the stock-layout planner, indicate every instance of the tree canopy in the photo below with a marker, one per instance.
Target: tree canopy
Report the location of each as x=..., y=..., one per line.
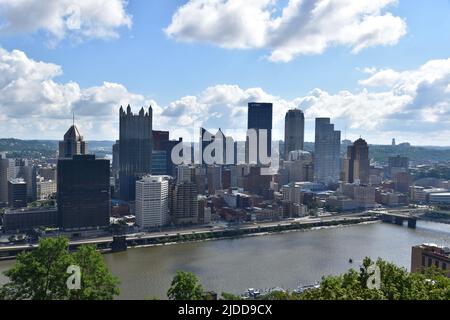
x=185, y=286
x=395, y=284
x=41, y=274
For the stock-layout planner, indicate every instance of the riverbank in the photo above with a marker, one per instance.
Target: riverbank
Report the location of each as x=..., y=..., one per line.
x=109, y=244
x=285, y=259
x=251, y=235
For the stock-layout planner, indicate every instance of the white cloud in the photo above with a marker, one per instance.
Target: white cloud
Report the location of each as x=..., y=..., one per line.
x=34, y=104
x=79, y=19
x=300, y=27
x=409, y=105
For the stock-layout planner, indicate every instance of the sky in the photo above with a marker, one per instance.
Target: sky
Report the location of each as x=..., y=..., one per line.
x=380, y=69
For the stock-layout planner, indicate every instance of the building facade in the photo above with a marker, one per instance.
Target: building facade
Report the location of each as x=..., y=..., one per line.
x=259, y=119
x=152, y=201
x=294, y=131
x=135, y=153
x=357, y=163
x=83, y=193
x=326, y=152
x=17, y=193
x=73, y=144
x=184, y=203
x=430, y=255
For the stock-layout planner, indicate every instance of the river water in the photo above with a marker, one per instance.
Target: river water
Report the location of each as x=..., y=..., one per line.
x=286, y=260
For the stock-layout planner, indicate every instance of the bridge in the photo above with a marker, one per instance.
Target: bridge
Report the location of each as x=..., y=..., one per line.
x=399, y=217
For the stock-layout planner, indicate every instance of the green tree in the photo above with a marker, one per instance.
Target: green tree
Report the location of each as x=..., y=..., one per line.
x=41, y=274
x=97, y=283
x=185, y=286
x=396, y=284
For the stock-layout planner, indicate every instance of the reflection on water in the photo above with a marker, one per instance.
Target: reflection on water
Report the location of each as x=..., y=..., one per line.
x=285, y=260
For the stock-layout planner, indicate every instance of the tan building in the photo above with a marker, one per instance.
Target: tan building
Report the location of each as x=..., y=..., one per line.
x=429, y=255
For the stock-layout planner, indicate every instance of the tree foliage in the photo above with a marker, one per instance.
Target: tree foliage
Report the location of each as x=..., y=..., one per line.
x=41, y=274
x=185, y=286
x=396, y=284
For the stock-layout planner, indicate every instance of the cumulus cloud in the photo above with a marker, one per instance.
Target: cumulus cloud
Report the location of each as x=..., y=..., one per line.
x=33, y=102
x=296, y=28
x=80, y=19
x=407, y=104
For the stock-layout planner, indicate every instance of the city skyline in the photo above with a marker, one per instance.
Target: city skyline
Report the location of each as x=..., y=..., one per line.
x=380, y=88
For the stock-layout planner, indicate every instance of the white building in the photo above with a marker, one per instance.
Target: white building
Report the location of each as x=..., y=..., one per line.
x=152, y=201
x=45, y=188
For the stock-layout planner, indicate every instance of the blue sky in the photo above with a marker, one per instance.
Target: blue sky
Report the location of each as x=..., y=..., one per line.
x=174, y=71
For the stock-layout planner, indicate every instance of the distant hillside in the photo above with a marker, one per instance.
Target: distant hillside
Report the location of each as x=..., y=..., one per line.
x=47, y=148
x=378, y=153
x=381, y=153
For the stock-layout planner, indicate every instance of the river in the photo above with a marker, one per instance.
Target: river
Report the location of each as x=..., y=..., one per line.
x=284, y=260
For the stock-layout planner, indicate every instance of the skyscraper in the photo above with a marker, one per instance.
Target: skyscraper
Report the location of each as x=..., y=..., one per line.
x=24, y=169
x=214, y=176
x=326, y=152
x=397, y=164
x=184, y=203
x=162, y=163
x=73, y=143
x=294, y=131
x=135, y=153
x=357, y=163
x=83, y=191
x=17, y=193
x=259, y=118
x=152, y=201
x=6, y=173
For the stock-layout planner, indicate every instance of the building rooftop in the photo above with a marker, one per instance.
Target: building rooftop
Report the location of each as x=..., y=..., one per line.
x=73, y=134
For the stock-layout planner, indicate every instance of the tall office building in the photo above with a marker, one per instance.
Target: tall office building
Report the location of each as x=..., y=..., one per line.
x=6, y=173
x=73, y=143
x=160, y=139
x=326, y=152
x=294, y=131
x=357, y=163
x=185, y=173
x=259, y=118
x=152, y=201
x=17, y=168
x=83, y=192
x=26, y=170
x=135, y=154
x=214, y=178
x=162, y=163
x=220, y=141
x=397, y=164
x=184, y=203
x=299, y=166
x=116, y=156
x=17, y=193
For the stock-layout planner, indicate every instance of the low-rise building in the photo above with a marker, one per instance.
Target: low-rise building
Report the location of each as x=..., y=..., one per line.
x=430, y=255
x=341, y=203
x=440, y=198
x=25, y=219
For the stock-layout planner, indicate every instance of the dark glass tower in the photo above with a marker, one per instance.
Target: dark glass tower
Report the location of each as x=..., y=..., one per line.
x=83, y=193
x=135, y=153
x=294, y=131
x=357, y=163
x=260, y=117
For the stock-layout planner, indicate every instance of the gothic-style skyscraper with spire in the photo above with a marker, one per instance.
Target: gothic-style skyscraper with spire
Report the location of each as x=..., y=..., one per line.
x=135, y=149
